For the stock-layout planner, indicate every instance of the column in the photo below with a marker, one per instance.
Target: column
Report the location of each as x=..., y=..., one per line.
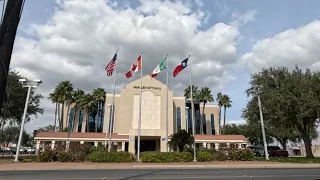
x=209, y=145
x=239, y=146
x=95, y=143
x=123, y=145
x=37, y=147
x=228, y=145
x=204, y=145
x=67, y=145
x=216, y=146
x=53, y=145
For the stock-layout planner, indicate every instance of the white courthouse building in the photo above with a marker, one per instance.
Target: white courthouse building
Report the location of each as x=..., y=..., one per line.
x=153, y=121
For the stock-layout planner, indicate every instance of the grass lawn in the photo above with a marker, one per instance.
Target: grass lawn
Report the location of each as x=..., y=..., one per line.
x=292, y=160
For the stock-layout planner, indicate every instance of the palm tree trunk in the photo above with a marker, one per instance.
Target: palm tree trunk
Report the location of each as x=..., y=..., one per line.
x=59, y=115
x=219, y=120
x=96, y=130
x=84, y=122
x=55, y=118
x=224, y=118
x=76, y=120
x=68, y=115
x=203, y=117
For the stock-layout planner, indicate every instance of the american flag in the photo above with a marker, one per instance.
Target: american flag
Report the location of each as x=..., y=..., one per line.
x=112, y=64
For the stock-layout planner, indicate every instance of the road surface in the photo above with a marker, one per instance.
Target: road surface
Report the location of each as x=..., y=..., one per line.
x=168, y=174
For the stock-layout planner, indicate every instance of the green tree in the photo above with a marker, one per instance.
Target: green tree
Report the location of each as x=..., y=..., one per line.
x=11, y=135
x=290, y=99
x=13, y=107
x=226, y=103
x=204, y=96
x=99, y=95
x=251, y=131
x=219, y=100
x=181, y=139
x=49, y=128
x=87, y=102
x=187, y=93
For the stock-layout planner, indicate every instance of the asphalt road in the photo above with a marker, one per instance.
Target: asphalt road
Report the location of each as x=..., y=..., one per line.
x=170, y=174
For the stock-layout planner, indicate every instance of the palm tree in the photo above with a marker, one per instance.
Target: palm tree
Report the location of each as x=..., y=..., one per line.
x=219, y=100
x=64, y=92
x=226, y=102
x=54, y=99
x=181, y=139
x=99, y=95
x=77, y=96
x=204, y=96
x=87, y=102
x=187, y=93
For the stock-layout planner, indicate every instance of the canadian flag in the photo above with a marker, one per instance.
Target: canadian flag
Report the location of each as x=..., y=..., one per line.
x=135, y=67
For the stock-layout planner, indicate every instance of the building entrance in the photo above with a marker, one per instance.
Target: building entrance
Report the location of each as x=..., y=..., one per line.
x=148, y=144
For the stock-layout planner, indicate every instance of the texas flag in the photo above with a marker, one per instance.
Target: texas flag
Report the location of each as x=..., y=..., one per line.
x=135, y=67
x=180, y=67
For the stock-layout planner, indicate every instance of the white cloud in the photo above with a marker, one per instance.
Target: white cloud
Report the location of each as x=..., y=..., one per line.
x=293, y=46
x=82, y=36
x=237, y=122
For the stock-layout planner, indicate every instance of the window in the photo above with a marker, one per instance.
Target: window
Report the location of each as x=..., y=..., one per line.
x=178, y=120
x=71, y=119
x=111, y=120
x=80, y=120
x=212, y=124
x=204, y=122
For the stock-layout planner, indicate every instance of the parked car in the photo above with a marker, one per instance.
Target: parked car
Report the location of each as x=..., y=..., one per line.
x=257, y=150
x=276, y=151
x=31, y=150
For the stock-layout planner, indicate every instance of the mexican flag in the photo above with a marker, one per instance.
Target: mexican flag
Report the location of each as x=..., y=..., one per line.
x=159, y=68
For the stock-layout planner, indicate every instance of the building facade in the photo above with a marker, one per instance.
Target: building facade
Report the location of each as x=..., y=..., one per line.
x=153, y=120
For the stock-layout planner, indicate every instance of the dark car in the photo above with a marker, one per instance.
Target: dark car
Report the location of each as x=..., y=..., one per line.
x=276, y=151
x=257, y=150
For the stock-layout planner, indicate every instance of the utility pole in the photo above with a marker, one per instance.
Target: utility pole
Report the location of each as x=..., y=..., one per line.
x=8, y=30
x=256, y=92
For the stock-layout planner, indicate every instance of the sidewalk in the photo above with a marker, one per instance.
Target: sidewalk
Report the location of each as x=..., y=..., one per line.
x=196, y=165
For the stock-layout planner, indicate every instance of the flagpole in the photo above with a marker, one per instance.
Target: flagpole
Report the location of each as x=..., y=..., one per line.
x=139, y=121
x=193, y=115
x=167, y=146
x=111, y=119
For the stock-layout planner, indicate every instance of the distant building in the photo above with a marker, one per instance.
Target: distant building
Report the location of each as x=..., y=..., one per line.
x=153, y=121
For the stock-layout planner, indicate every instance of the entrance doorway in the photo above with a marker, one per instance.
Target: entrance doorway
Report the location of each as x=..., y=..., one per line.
x=148, y=143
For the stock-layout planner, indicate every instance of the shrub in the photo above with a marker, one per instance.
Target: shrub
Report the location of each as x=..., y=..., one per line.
x=241, y=155
x=108, y=157
x=219, y=156
x=65, y=156
x=204, y=156
x=166, y=157
x=47, y=156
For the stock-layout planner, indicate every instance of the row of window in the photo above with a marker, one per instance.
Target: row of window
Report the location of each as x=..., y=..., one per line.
x=189, y=121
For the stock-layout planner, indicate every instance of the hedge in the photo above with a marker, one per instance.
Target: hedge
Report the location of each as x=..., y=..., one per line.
x=166, y=157
x=241, y=155
x=205, y=156
x=108, y=157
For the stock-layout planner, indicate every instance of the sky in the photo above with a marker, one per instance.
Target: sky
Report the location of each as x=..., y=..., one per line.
x=228, y=40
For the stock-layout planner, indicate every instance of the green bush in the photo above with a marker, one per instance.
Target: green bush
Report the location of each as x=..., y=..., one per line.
x=166, y=157
x=47, y=156
x=241, y=155
x=219, y=156
x=65, y=156
x=204, y=156
x=108, y=157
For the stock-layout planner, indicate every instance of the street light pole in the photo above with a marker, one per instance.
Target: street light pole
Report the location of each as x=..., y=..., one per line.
x=29, y=85
x=257, y=92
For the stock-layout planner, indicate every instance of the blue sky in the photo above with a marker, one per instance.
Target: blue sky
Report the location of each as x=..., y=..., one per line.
x=272, y=17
